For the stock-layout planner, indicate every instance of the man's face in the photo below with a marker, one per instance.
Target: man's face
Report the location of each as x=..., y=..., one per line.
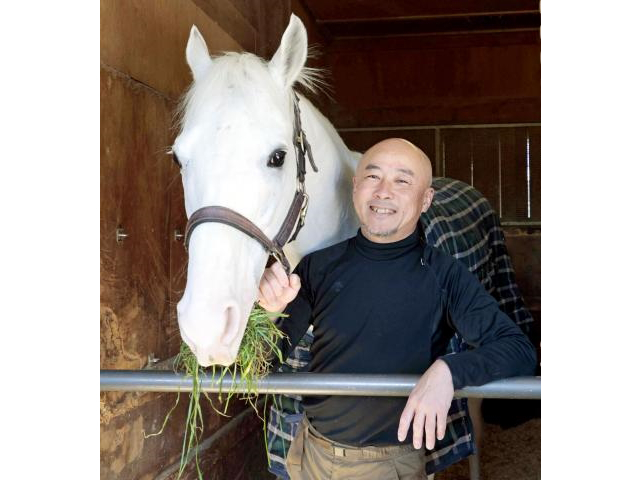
x=391, y=188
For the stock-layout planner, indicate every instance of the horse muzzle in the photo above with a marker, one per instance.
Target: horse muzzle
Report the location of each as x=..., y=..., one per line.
x=212, y=334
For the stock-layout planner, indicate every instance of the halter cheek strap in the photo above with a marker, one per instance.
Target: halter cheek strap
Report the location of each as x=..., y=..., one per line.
x=295, y=216
x=229, y=217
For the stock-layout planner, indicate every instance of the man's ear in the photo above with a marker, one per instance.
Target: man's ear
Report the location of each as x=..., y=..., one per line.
x=428, y=198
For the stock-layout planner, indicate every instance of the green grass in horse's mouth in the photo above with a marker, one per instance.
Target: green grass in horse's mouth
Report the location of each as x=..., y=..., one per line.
x=258, y=347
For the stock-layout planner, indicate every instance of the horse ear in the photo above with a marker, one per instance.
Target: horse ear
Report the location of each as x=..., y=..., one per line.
x=291, y=55
x=198, y=56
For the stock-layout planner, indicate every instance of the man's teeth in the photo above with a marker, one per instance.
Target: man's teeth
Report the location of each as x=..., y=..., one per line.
x=382, y=210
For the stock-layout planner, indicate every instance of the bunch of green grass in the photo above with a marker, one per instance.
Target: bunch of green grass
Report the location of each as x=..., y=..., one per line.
x=257, y=349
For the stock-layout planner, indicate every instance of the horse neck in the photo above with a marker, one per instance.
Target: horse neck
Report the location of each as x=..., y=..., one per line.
x=331, y=217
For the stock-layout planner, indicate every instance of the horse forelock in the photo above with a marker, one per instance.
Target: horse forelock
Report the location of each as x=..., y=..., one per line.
x=245, y=79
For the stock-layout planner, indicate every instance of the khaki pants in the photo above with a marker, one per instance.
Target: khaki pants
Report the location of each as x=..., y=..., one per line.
x=314, y=457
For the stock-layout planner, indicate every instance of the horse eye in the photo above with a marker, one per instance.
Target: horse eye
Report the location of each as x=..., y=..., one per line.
x=175, y=159
x=276, y=159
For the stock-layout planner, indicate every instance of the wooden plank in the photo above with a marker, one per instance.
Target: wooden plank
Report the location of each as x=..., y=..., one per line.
x=513, y=144
x=377, y=88
x=438, y=25
x=125, y=453
x=237, y=452
x=273, y=20
x=134, y=172
x=178, y=254
x=250, y=10
x=454, y=41
x=146, y=40
x=363, y=139
x=433, y=112
x=525, y=251
x=341, y=10
x=456, y=152
x=535, y=153
x=133, y=274
x=485, y=160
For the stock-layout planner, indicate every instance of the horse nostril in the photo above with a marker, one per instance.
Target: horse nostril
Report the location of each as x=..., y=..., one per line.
x=231, y=319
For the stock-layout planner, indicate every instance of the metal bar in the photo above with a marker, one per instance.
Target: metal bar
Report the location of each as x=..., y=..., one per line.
x=309, y=384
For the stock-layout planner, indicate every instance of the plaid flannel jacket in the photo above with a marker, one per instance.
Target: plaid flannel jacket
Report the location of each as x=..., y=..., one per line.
x=461, y=222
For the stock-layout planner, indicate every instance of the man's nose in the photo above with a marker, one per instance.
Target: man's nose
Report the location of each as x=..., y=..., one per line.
x=383, y=191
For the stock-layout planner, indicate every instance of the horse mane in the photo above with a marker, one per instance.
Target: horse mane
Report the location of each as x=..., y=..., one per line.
x=240, y=69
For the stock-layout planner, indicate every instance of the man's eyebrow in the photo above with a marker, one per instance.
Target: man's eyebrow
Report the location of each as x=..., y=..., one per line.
x=406, y=171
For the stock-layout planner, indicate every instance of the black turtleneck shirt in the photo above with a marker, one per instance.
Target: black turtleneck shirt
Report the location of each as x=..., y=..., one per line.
x=392, y=308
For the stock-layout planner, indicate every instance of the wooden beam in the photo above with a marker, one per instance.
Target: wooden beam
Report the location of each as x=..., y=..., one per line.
x=326, y=10
x=432, y=25
x=421, y=42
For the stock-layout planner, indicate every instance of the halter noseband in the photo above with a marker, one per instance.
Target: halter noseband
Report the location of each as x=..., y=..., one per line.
x=295, y=216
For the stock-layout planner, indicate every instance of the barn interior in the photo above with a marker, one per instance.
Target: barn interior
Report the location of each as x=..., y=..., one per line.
x=460, y=79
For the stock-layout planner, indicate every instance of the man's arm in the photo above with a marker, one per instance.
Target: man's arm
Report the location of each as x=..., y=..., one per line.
x=428, y=406
x=281, y=293
x=501, y=350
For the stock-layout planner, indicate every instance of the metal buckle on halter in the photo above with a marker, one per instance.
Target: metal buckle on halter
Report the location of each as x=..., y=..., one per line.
x=300, y=139
x=282, y=258
x=303, y=209
x=300, y=187
x=277, y=254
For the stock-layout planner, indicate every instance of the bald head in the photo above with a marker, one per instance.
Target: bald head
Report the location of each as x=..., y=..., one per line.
x=399, y=148
x=391, y=188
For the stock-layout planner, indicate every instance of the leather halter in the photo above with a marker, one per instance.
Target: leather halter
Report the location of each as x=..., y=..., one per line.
x=295, y=216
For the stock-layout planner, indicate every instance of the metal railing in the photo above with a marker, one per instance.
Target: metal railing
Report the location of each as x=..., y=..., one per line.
x=309, y=384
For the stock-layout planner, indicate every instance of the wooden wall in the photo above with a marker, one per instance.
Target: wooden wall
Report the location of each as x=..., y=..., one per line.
x=142, y=73
x=436, y=80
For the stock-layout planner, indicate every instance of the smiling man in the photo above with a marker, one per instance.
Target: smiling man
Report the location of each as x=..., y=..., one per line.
x=385, y=302
x=391, y=188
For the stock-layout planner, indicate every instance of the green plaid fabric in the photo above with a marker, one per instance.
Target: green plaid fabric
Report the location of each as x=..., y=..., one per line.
x=461, y=222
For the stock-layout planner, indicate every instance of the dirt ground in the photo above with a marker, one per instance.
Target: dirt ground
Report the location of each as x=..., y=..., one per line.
x=508, y=454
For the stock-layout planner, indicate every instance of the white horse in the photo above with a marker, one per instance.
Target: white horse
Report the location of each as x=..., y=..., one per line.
x=236, y=120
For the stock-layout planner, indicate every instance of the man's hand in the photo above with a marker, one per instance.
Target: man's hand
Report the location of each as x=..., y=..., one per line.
x=428, y=405
x=276, y=289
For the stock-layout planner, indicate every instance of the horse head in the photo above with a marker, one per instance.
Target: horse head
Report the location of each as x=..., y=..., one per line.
x=235, y=150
